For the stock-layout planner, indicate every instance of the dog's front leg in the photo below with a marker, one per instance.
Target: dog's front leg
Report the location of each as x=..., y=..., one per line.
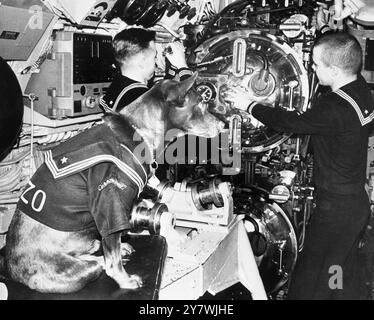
x=113, y=263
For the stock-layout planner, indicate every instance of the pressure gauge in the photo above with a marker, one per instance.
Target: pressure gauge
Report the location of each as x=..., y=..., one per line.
x=207, y=91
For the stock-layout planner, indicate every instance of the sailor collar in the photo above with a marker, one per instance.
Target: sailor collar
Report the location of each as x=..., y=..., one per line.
x=112, y=141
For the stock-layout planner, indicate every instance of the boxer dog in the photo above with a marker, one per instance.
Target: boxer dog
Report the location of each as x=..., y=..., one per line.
x=80, y=199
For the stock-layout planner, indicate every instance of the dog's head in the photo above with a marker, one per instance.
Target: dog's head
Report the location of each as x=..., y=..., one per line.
x=172, y=104
x=186, y=109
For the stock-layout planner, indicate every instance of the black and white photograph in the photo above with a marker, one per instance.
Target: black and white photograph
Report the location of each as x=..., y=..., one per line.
x=187, y=156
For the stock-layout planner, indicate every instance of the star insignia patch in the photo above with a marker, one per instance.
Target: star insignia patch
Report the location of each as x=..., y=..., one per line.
x=64, y=160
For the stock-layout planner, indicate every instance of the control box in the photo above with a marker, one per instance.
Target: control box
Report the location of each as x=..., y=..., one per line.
x=74, y=77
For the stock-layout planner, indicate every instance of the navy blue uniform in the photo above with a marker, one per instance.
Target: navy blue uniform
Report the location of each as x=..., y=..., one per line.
x=90, y=180
x=340, y=123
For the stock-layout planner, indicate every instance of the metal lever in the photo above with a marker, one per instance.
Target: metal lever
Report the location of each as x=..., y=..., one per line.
x=239, y=57
x=281, y=245
x=203, y=64
x=235, y=141
x=292, y=85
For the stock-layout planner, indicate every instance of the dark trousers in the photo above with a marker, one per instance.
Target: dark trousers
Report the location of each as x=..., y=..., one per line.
x=331, y=243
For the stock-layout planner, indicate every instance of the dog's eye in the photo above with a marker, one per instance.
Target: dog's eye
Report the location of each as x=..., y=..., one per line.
x=178, y=103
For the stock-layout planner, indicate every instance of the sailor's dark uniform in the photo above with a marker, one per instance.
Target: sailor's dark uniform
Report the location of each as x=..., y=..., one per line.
x=123, y=90
x=340, y=123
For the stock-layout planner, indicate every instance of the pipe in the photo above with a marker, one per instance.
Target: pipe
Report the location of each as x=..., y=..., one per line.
x=338, y=8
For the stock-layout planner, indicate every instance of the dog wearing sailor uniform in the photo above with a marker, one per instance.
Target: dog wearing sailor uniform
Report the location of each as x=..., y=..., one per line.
x=80, y=199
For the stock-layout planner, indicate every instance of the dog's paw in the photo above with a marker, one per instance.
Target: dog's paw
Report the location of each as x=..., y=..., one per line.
x=175, y=238
x=126, y=249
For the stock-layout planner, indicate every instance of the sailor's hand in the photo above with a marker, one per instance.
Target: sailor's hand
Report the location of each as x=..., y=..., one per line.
x=239, y=97
x=174, y=52
x=322, y=17
x=350, y=8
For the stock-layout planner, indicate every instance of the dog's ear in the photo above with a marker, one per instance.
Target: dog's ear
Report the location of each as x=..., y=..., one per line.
x=180, y=89
x=187, y=84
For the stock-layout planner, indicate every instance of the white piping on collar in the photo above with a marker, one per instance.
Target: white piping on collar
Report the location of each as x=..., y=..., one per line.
x=153, y=165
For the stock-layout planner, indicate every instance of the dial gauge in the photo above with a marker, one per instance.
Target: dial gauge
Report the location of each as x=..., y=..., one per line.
x=207, y=91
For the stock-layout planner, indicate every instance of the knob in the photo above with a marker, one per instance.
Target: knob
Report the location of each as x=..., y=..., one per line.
x=90, y=102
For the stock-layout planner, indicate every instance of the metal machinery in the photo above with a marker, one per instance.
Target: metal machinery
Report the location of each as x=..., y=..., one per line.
x=261, y=63
x=74, y=76
x=263, y=46
x=198, y=205
x=149, y=12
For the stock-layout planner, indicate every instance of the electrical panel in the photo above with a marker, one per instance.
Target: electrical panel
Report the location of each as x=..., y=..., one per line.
x=77, y=73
